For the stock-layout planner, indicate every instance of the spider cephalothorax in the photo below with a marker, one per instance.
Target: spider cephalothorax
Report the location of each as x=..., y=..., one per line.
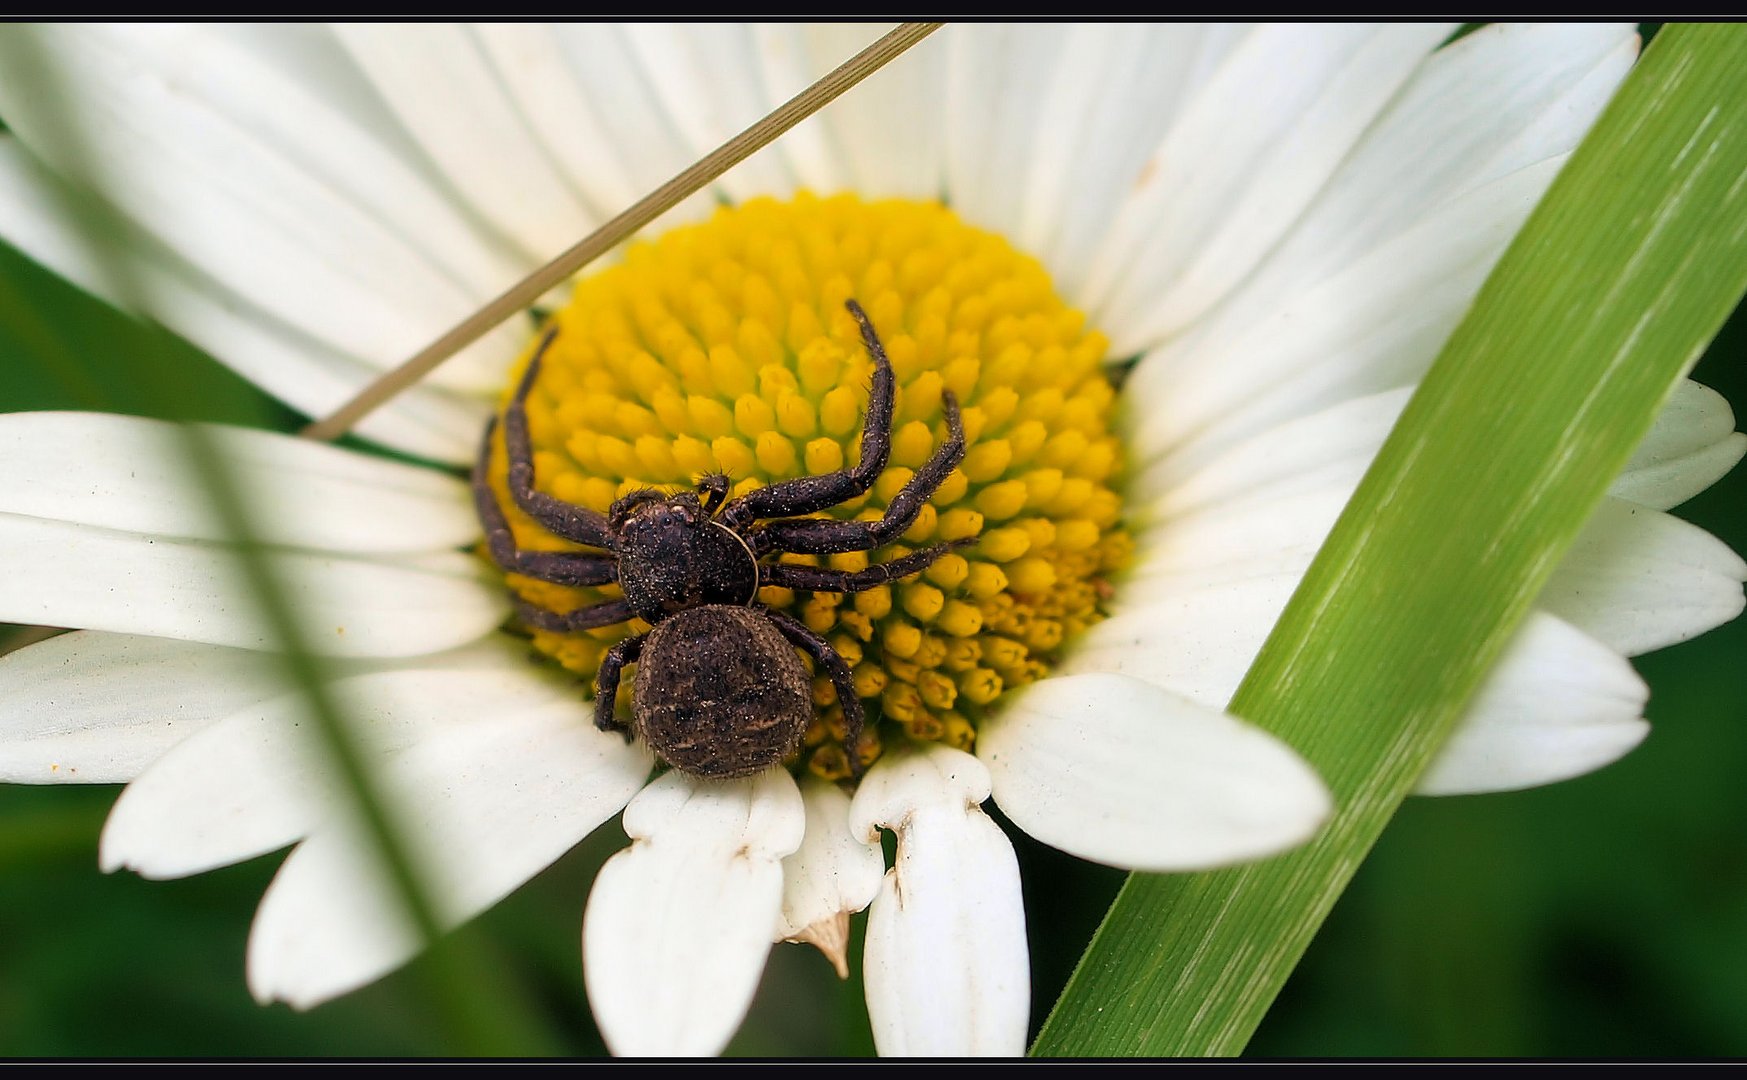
x=720, y=692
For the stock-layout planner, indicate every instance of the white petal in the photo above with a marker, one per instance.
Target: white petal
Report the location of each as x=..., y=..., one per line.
x=529, y=60
x=1499, y=100
x=77, y=575
x=438, y=82
x=1189, y=636
x=485, y=803
x=785, y=66
x=1333, y=446
x=678, y=924
x=833, y=874
x=1558, y=704
x=888, y=127
x=305, y=374
x=1114, y=770
x=130, y=473
x=637, y=127
x=1692, y=445
x=260, y=778
x=1395, y=246
x=1375, y=325
x=295, y=107
x=219, y=189
x=1639, y=579
x=708, y=80
x=946, y=966
x=1117, y=90
x=1248, y=536
x=97, y=708
x=1248, y=154
x=997, y=83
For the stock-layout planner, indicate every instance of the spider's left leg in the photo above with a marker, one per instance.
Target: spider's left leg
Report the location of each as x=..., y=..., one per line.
x=827, y=658
x=605, y=613
x=578, y=524
x=606, y=683
x=824, y=579
x=824, y=536
x=809, y=494
x=558, y=567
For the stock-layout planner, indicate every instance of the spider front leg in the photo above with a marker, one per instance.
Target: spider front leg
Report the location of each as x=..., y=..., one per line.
x=823, y=536
x=827, y=658
x=809, y=494
x=822, y=579
x=606, y=684
x=577, y=524
x=559, y=567
x=713, y=489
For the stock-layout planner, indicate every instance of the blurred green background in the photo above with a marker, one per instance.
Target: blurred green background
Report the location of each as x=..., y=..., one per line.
x=1604, y=917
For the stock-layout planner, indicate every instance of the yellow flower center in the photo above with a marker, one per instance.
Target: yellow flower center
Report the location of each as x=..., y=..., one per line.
x=725, y=348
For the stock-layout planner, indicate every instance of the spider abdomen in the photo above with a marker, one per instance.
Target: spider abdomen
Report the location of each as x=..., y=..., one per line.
x=720, y=692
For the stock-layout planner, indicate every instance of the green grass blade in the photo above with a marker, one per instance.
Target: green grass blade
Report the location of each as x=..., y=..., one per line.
x=1611, y=291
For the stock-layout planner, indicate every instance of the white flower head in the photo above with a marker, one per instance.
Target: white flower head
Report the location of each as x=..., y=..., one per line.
x=1282, y=223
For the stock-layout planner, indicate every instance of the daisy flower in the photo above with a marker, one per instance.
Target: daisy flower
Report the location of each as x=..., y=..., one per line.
x=1278, y=225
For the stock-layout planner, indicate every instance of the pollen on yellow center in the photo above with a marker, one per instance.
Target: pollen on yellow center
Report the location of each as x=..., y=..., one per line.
x=725, y=348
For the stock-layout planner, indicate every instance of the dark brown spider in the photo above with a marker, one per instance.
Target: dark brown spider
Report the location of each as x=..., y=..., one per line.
x=720, y=692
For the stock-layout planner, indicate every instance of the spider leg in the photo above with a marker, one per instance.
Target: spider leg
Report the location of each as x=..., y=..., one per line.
x=827, y=658
x=823, y=536
x=713, y=488
x=605, y=613
x=822, y=579
x=578, y=524
x=558, y=567
x=606, y=684
x=808, y=494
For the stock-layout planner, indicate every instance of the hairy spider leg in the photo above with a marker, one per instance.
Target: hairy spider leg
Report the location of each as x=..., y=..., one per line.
x=825, y=536
x=828, y=658
x=577, y=524
x=824, y=579
x=606, y=684
x=559, y=567
x=809, y=494
x=605, y=613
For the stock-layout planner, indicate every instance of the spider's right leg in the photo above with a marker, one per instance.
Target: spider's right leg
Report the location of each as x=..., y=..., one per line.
x=558, y=567
x=828, y=658
x=809, y=494
x=606, y=684
x=578, y=524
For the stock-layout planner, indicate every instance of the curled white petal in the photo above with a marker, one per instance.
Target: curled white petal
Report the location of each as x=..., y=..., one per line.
x=1690, y=447
x=97, y=708
x=945, y=965
x=678, y=925
x=833, y=874
x=1114, y=770
x=1639, y=579
x=1558, y=704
